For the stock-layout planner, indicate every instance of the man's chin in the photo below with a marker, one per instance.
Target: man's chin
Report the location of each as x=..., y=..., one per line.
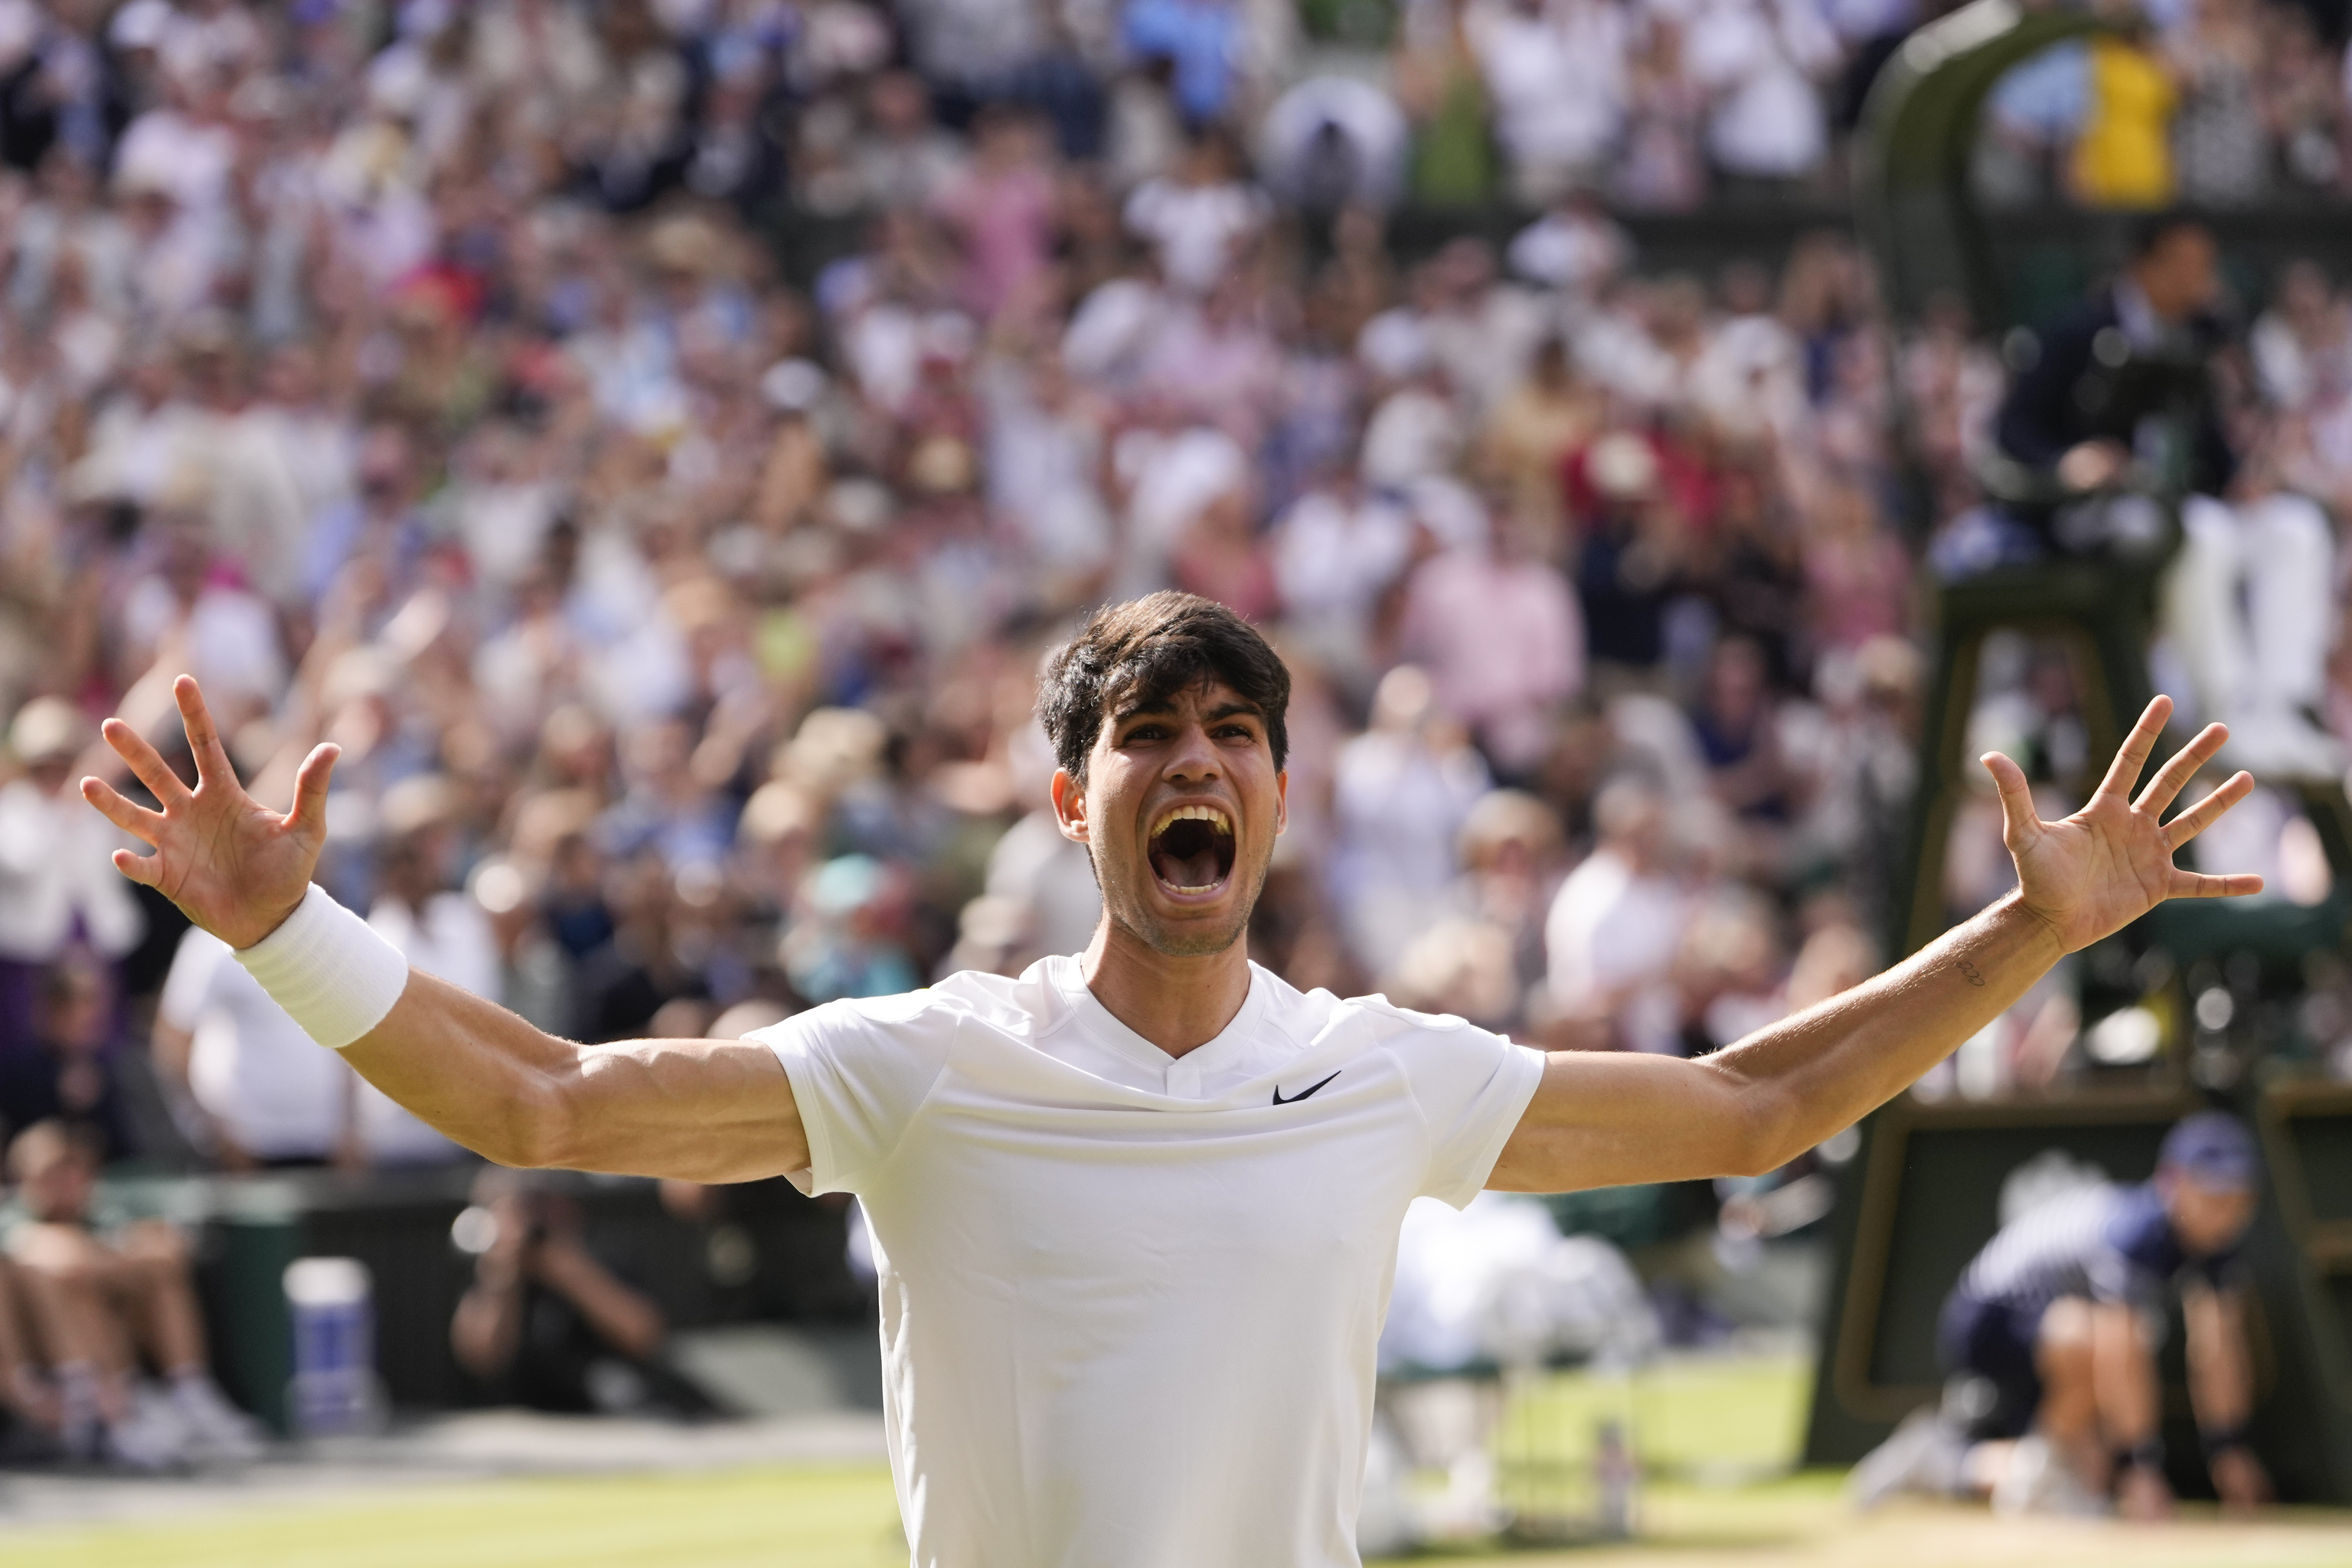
x=1195, y=934
x=1191, y=939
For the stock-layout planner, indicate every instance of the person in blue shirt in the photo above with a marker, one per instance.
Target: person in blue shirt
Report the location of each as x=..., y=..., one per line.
x=2050, y=1338
x=1202, y=38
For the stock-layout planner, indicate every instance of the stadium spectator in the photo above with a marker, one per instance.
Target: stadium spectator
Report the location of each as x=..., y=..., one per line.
x=547, y=1323
x=54, y=890
x=249, y=1086
x=72, y=1074
x=2123, y=158
x=1612, y=934
x=2262, y=671
x=1555, y=75
x=2059, y=1320
x=107, y=1297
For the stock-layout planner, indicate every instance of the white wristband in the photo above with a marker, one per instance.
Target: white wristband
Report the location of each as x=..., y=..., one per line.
x=332, y=975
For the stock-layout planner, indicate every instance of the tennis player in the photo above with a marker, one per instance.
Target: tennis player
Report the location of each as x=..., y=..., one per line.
x=1135, y=1212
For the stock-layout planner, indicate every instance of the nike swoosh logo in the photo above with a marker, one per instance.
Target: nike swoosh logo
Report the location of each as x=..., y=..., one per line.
x=1302, y=1094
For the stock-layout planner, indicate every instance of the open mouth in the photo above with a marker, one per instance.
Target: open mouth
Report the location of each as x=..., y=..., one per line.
x=1193, y=849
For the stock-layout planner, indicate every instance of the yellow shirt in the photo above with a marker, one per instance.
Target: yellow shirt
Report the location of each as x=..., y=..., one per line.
x=2124, y=156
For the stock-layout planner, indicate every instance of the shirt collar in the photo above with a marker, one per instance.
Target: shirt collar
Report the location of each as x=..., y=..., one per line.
x=1068, y=976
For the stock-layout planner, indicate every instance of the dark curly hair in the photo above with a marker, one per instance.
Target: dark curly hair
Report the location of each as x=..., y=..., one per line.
x=1145, y=651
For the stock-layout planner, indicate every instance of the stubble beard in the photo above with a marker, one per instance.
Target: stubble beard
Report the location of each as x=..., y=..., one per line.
x=1129, y=912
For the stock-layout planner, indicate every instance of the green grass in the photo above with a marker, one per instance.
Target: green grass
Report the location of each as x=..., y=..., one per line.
x=828, y=1518
x=1691, y=1420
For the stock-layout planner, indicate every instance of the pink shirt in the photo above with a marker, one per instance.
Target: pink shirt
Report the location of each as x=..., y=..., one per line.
x=1502, y=641
x=1005, y=222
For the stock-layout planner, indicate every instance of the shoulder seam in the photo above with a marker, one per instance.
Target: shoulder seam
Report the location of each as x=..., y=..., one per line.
x=931, y=1093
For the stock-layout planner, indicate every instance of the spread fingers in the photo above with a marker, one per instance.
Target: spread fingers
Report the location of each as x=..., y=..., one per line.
x=135, y=820
x=2174, y=776
x=2132, y=755
x=203, y=735
x=145, y=869
x=145, y=763
x=2201, y=815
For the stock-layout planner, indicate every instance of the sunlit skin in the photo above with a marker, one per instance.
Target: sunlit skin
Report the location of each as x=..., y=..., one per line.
x=1171, y=964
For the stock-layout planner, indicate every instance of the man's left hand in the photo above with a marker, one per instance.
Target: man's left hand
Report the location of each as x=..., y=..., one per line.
x=2097, y=871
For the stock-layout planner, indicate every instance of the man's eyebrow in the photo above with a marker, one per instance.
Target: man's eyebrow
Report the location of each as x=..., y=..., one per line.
x=1238, y=708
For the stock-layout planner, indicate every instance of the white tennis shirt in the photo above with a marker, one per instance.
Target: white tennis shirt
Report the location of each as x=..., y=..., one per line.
x=1129, y=1302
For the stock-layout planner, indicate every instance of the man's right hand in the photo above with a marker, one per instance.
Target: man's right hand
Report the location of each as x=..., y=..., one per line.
x=233, y=866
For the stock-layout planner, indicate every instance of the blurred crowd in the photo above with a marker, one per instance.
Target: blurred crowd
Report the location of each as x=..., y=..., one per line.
x=422, y=379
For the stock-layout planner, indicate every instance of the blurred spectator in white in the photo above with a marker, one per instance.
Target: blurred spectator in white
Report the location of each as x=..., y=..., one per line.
x=1615, y=927
x=1749, y=380
x=1401, y=792
x=2302, y=345
x=1761, y=61
x=58, y=888
x=1662, y=168
x=1337, y=550
x=259, y=1091
x=193, y=610
x=1576, y=248
x=1201, y=218
x=1555, y=73
x=1047, y=882
x=1046, y=437
x=1418, y=430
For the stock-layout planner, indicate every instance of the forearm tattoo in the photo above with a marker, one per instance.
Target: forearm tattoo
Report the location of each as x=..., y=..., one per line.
x=1970, y=972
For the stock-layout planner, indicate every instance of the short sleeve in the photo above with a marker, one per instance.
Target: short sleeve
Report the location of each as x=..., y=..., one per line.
x=188, y=985
x=1472, y=1086
x=860, y=1070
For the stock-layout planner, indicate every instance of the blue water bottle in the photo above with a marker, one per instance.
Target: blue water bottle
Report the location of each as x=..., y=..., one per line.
x=334, y=1392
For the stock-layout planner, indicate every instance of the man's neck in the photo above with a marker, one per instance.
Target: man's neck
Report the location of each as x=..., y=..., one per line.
x=1178, y=1003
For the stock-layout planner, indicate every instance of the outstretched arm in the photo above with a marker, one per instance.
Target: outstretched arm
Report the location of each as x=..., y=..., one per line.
x=706, y=1110
x=1604, y=1119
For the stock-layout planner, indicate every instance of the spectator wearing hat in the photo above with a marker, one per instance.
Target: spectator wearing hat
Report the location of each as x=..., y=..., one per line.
x=2052, y=1332
x=58, y=888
